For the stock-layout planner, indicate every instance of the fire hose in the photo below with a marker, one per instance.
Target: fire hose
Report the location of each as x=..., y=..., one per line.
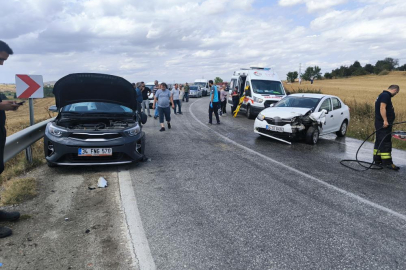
x=372, y=165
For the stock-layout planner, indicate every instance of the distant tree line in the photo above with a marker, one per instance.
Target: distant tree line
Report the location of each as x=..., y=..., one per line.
x=48, y=91
x=381, y=67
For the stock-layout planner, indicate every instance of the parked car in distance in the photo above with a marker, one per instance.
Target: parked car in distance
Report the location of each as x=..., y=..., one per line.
x=303, y=116
x=204, y=85
x=195, y=91
x=97, y=122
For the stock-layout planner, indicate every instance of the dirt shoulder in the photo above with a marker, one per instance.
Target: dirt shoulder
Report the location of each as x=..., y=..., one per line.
x=69, y=226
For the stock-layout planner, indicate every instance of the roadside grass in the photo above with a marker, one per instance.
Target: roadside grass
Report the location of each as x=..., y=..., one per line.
x=18, y=190
x=17, y=121
x=307, y=91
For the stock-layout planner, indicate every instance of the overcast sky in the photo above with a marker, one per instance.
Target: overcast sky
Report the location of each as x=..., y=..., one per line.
x=184, y=40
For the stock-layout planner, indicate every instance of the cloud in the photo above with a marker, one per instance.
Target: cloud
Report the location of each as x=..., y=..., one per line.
x=313, y=5
x=182, y=40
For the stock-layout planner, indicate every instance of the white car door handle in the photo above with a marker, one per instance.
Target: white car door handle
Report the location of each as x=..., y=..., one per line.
x=331, y=116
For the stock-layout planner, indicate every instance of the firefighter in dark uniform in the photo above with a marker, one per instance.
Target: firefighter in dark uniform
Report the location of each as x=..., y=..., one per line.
x=384, y=118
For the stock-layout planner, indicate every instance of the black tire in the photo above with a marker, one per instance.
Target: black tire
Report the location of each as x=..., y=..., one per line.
x=312, y=135
x=343, y=129
x=50, y=164
x=250, y=115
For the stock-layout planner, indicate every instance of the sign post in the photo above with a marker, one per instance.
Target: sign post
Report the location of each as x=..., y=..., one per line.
x=29, y=86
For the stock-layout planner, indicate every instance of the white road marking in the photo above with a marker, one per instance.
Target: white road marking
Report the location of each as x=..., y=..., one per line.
x=342, y=191
x=140, y=248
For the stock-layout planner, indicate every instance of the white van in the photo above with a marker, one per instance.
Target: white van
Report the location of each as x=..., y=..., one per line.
x=265, y=88
x=204, y=85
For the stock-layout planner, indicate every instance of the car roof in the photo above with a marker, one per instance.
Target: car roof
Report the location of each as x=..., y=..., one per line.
x=311, y=95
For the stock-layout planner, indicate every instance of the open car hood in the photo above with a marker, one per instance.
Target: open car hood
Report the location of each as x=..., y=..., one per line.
x=88, y=87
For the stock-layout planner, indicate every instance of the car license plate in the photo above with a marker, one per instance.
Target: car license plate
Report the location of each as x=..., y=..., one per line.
x=274, y=128
x=95, y=152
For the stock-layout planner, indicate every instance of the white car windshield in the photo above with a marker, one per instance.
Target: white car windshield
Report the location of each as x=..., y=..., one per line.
x=267, y=87
x=298, y=102
x=194, y=88
x=96, y=107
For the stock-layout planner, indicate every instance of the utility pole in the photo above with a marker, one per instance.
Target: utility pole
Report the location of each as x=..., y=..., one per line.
x=300, y=73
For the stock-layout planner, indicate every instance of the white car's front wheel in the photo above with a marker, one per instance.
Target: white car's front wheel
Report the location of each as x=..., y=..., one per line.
x=312, y=135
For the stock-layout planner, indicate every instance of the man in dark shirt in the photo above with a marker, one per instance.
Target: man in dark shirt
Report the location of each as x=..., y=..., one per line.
x=186, y=95
x=6, y=105
x=145, y=101
x=384, y=118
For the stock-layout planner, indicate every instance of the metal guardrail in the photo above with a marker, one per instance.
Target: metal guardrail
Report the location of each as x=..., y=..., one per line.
x=21, y=140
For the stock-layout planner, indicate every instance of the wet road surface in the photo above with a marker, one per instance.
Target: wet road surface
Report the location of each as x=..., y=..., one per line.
x=222, y=197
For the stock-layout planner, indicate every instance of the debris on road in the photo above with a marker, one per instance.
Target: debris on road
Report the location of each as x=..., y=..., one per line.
x=87, y=231
x=66, y=219
x=91, y=187
x=102, y=182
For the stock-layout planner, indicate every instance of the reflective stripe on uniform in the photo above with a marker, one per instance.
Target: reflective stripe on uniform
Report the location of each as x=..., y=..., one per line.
x=386, y=155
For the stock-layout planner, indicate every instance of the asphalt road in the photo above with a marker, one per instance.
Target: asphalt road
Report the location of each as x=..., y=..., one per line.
x=221, y=197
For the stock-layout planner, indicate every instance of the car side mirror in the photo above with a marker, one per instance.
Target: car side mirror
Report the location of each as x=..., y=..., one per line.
x=325, y=111
x=144, y=118
x=53, y=108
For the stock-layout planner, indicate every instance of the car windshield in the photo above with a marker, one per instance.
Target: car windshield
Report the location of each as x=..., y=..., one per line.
x=267, y=87
x=96, y=107
x=298, y=102
x=201, y=84
x=194, y=88
x=151, y=86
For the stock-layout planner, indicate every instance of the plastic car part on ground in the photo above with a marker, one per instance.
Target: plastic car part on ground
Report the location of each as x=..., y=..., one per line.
x=400, y=135
x=102, y=183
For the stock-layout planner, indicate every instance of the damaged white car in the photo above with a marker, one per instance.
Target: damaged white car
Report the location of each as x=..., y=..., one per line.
x=303, y=116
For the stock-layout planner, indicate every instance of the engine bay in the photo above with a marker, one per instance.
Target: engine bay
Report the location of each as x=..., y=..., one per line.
x=96, y=124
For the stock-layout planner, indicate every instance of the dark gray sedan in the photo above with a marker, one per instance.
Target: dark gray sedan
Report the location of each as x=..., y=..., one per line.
x=97, y=122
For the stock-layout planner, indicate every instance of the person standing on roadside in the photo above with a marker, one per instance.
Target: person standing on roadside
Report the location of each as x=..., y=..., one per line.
x=182, y=93
x=384, y=119
x=223, y=99
x=163, y=99
x=214, y=103
x=176, y=99
x=186, y=96
x=7, y=105
x=236, y=99
x=156, y=88
x=137, y=87
x=145, y=101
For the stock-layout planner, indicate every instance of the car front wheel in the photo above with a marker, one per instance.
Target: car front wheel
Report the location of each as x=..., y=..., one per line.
x=343, y=129
x=312, y=135
x=249, y=112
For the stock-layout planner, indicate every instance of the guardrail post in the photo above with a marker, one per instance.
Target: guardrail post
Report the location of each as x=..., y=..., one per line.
x=28, y=150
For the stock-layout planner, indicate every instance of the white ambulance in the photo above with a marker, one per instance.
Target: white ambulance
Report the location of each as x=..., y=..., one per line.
x=265, y=88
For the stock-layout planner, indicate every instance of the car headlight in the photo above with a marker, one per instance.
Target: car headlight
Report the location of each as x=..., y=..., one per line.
x=261, y=117
x=133, y=131
x=55, y=131
x=259, y=100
